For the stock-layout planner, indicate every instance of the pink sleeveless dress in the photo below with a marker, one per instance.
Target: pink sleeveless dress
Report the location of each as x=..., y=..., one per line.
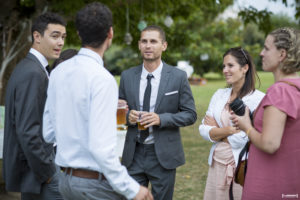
x=277, y=176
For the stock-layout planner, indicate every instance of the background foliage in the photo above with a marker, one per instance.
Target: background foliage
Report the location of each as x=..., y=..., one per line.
x=199, y=34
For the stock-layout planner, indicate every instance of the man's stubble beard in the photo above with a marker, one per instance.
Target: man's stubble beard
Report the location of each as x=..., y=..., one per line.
x=150, y=59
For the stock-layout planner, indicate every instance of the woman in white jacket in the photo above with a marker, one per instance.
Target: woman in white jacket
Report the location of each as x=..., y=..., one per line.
x=217, y=128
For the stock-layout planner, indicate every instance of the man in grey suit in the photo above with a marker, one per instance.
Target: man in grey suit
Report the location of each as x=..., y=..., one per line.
x=28, y=161
x=163, y=92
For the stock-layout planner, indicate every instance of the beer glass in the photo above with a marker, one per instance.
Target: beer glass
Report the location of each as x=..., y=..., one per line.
x=121, y=116
x=140, y=126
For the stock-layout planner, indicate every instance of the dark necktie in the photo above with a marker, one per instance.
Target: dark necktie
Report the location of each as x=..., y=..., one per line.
x=48, y=69
x=146, y=106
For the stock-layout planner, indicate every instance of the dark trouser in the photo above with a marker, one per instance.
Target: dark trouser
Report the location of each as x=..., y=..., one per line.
x=49, y=191
x=76, y=188
x=145, y=168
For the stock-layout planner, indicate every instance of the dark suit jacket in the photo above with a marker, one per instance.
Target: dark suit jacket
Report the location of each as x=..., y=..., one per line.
x=175, y=107
x=27, y=159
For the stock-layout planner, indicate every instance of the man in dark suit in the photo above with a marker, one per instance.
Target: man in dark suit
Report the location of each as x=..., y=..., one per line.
x=28, y=161
x=163, y=92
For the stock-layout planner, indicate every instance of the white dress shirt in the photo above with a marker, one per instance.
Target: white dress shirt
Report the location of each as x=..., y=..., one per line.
x=80, y=115
x=215, y=108
x=154, y=90
x=41, y=58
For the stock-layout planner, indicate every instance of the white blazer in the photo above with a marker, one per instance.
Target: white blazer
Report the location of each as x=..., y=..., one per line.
x=216, y=105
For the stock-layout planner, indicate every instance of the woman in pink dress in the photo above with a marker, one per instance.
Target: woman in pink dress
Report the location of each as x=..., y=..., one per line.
x=274, y=158
x=216, y=127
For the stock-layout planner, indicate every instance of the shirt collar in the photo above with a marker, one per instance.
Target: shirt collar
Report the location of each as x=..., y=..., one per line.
x=92, y=54
x=156, y=73
x=39, y=56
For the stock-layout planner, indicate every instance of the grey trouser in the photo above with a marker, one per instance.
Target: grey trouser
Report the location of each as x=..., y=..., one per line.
x=146, y=168
x=49, y=191
x=76, y=188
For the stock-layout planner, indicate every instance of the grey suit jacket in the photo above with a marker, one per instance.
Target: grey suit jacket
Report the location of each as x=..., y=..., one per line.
x=27, y=159
x=175, y=107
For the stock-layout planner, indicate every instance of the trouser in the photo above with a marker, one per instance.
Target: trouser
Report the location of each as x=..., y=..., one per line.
x=76, y=188
x=146, y=168
x=49, y=191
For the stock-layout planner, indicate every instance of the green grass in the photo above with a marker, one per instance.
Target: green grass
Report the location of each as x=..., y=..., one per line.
x=191, y=177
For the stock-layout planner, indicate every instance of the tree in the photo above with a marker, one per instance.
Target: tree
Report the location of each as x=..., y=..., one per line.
x=16, y=16
x=263, y=18
x=15, y=31
x=193, y=33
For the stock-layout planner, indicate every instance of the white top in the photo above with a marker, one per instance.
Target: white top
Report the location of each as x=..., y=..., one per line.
x=154, y=90
x=216, y=105
x=80, y=115
x=41, y=58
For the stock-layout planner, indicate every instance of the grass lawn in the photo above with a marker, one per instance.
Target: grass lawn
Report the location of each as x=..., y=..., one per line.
x=191, y=177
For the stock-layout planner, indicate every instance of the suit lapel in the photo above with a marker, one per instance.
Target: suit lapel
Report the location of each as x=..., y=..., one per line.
x=32, y=57
x=164, y=79
x=136, y=86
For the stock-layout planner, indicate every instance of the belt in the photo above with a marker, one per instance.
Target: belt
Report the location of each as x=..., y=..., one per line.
x=83, y=173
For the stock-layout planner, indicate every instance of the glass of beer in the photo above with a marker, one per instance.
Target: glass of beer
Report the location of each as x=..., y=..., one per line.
x=140, y=126
x=121, y=115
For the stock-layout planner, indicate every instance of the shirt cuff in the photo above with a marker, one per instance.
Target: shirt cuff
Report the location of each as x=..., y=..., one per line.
x=132, y=190
x=204, y=131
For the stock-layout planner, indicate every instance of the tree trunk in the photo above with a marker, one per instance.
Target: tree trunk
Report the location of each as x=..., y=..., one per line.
x=14, y=42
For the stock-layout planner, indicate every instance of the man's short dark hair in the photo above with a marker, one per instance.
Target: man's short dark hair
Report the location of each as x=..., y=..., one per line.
x=93, y=23
x=40, y=24
x=158, y=29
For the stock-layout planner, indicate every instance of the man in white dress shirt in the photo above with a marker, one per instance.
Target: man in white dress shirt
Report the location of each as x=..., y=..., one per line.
x=80, y=115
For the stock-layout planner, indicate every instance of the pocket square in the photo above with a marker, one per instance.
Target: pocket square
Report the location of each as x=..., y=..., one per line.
x=170, y=93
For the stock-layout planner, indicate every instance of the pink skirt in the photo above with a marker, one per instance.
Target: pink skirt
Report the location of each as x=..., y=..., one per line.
x=220, y=175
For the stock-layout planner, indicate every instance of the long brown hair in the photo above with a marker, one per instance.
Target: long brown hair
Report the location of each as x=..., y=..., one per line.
x=243, y=57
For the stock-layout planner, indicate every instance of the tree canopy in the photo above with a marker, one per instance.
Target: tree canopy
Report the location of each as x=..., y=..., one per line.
x=197, y=34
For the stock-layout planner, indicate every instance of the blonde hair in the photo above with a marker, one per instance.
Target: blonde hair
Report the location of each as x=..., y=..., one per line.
x=288, y=39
